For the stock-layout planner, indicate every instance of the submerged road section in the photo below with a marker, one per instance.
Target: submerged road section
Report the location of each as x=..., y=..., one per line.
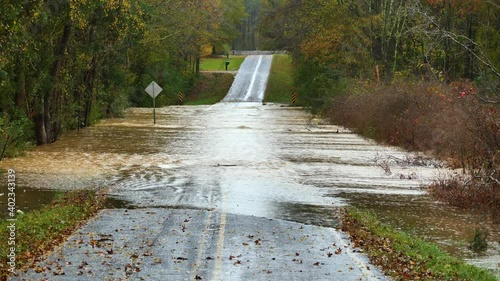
x=234, y=191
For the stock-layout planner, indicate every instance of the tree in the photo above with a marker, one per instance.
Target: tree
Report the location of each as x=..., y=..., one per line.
x=232, y=17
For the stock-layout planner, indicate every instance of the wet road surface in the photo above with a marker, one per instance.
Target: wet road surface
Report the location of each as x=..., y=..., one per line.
x=234, y=191
x=170, y=244
x=250, y=83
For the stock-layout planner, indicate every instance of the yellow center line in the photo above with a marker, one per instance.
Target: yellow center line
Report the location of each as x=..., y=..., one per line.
x=220, y=247
x=201, y=247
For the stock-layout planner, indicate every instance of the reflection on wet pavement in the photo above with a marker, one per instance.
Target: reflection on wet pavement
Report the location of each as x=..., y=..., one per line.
x=268, y=161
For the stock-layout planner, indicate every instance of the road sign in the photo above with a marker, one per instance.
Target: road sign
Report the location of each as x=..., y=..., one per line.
x=294, y=98
x=154, y=90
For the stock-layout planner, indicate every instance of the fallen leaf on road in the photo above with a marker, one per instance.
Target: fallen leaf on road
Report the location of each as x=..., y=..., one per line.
x=59, y=272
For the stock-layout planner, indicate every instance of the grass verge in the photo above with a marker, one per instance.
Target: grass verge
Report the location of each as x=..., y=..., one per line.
x=219, y=63
x=38, y=232
x=210, y=88
x=402, y=256
x=280, y=85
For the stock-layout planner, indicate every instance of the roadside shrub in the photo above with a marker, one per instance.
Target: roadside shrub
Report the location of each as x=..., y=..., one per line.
x=15, y=134
x=469, y=192
x=446, y=120
x=479, y=243
x=314, y=84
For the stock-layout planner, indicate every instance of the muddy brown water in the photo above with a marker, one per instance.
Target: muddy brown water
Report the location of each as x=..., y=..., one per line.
x=269, y=161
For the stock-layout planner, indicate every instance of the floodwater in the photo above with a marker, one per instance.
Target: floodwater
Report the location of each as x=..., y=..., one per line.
x=268, y=161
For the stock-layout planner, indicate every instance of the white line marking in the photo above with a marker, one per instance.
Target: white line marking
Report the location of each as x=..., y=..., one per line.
x=254, y=76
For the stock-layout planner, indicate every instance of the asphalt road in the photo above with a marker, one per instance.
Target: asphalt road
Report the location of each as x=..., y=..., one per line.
x=250, y=83
x=184, y=244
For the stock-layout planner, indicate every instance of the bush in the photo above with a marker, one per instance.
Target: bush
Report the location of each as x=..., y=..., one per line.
x=316, y=84
x=469, y=192
x=15, y=134
x=446, y=120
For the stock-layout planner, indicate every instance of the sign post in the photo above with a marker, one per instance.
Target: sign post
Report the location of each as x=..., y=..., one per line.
x=154, y=90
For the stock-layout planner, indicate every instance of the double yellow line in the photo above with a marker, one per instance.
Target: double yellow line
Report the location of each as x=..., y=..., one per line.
x=220, y=246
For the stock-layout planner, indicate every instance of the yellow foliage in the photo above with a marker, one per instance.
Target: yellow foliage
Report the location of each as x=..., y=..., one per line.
x=206, y=50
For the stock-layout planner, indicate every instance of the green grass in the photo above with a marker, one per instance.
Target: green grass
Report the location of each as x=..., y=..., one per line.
x=37, y=232
x=210, y=88
x=280, y=85
x=404, y=256
x=218, y=63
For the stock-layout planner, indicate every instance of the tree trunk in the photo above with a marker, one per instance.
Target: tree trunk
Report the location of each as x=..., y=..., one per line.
x=40, y=133
x=197, y=64
x=469, y=57
x=21, y=80
x=89, y=79
x=45, y=130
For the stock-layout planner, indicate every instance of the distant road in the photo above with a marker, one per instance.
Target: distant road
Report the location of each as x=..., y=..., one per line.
x=251, y=80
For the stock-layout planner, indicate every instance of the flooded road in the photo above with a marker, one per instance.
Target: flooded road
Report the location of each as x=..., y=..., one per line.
x=246, y=159
x=236, y=191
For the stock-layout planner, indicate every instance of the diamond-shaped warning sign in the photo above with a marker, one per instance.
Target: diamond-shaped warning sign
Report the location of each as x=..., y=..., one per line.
x=153, y=89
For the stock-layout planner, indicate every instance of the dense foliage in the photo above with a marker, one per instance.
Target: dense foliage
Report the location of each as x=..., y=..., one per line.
x=436, y=39
x=66, y=63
